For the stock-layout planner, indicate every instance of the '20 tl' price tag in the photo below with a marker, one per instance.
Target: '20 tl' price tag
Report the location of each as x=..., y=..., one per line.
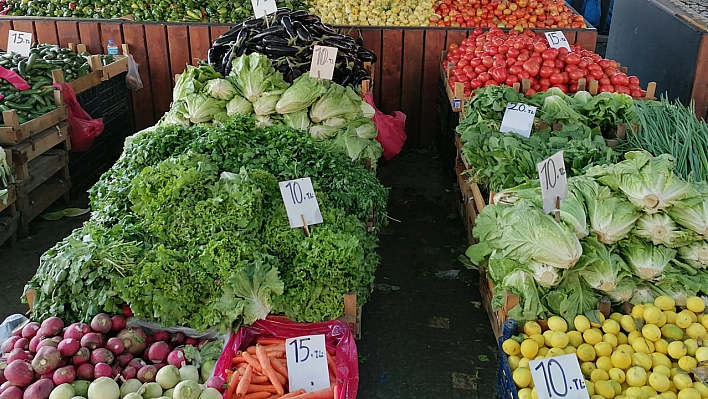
x=557, y=40
x=518, y=118
x=263, y=7
x=307, y=363
x=554, y=181
x=323, y=60
x=558, y=377
x=300, y=202
x=19, y=42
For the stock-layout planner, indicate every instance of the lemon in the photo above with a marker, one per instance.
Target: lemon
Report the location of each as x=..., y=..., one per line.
x=513, y=362
x=604, y=389
x=590, y=386
x=634, y=393
x=611, y=339
x=553, y=352
x=694, y=318
x=651, y=332
x=665, y=303
x=543, y=351
x=539, y=357
x=702, y=354
x=511, y=347
x=704, y=322
x=531, y=328
x=631, y=337
x=675, y=370
x=598, y=325
x=534, y=395
x=687, y=363
x=610, y=327
x=529, y=348
x=604, y=363
x=638, y=311
x=677, y=349
x=689, y=393
x=621, y=359
x=599, y=375
x=558, y=339
x=524, y=362
x=547, y=338
x=696, y=330
x=670, y=316
x=660, y=359
x=662, y=369
x=524, y=393
x=669, y=395
x=683, y=319
x=575, y=338
x=691, y=346
x=626, y=347
x=539, y=339
x=652, y=315
x=592, y=336
x=662, y=320
x=682, y=381
x=701, y=388
x=636, y=377
x=617, y=386
x=659, y=382
x=642, y=360
x=557, y=323
x=587, y=368
x=628, y=324
x=699, y=318
x=603, y=349
x=586, y=353
x=581, y=323
x=569, y=349
x=616, y=316
x=621, y=338
x=648, y=391
x=642, y=345
x=671, y=331
x=616, y=374
x=521, y=377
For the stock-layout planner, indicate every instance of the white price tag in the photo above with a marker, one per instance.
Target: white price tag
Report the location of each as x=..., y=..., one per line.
x=19, y=42
x=300, y=202
x=558, y=377
x=262, y=8
x=557, y=40
x=518, y=118
x=554, y=182
x=307, y=363
x=323, y=60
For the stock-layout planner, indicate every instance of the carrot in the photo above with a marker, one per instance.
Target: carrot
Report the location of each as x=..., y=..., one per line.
x=257, y=395
x=268, y=369
x=233, y=382
x=261, y=388
x=276, y=355
x=270, y=341
x=245, y=382
x=275, y=348
x=281, y=378
x=293, y=394
x=259, y=379
x=237, y=359
x=252, y=361
x=279, y=367
x=327, y=393
x=331, y=364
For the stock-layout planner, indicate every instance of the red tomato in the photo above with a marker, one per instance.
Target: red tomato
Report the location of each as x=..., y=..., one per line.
x=605, y=81
x=515, y=70
x=623, y=90
x=475, y=62
x=475, y=84
x=582, y=64
x=480, y=69
x=532, y=67
x=539, y=48
x=468, y=69
x=463, y=62
x=563, y=88
x=491, y=83
x=549, y=63
x=603, y=63
x=575, y=75
x=484, y=76
x=543, y=88
x=487, y=61
x=592, y=66
x=559, y=64
x=573, y=88
x=536, y=87
x=477, y=32
x=620, y=79
x=637, y=94
x=499, y=74
x=463, y=78
x=545, y=71
x=510, y=80
x=610, y=72
x=550, y=54
x=597, y=74
x=524, y=75
x=633, y=80
x=513, y=53
x=607, y=88
x=556, y=79
x=544, y=82
x=503, y=49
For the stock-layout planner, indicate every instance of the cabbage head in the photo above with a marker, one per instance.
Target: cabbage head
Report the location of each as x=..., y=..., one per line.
x=297, y=120
x=694, y=218
x=239, y=106
x=695, y=254
x=365, y=128
x=323, y=132
x=253, y=74
x=581, y=98
x=624, y=290
x=515, y=277
x=221, y=89
x=645, y=260
x=187, y=83
x=545, y=275
x=611, y=217
x=660, y=229
x=555, y=109
x=338, y=101
x=352, y=144
x=599, y=266
x=202, y=108
x=335, y=122
x=264, y=121
x=304, y=91
x=645, y=293
x=175, y=116
x=367, y=110
x=265, y=105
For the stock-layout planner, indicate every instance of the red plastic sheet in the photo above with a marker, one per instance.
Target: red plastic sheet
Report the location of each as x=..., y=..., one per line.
x=14, y=79
x=338, y=337
x=392, y=134
x=84, y=129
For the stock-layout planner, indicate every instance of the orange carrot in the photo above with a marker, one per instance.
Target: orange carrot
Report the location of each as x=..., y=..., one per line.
x=279, y=367
x=293, y=394
x=276, y=354
x=275, y=348
x=261, y=388
x=331, y=364
x=257, y=395
x=237, y=359
x=270, y=341
x=268, y=369
x=245, y=382
x=327, y=393
x=252, y=361
x=259, y=379
x=233, y=382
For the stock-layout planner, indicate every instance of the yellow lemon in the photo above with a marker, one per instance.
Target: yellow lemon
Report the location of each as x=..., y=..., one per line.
x=534, y=395
x=586, y=353
x=524, y=393
x=598, y=325
x=671, y=331
x=621, y=359
x=648, y=391
x=661, y=369
x=604, y=389
x=616, y=316
x=642, y=360
x=662, y=320
x=540, y=341
x=592, y=336
x=638, y=311
x=687, y=363
x=682, y=381
x=683, y=319
x=539, y=357
x=513, y=362
x=604, y=363
x=553, y=352
x=669, y=395
x=603, y=349
x=652, y=315
x=661, y=346
x=590, y=387
x=531, y=328
x=628, y=324
x=691, y=346
x=575, y=338
x=529, y=348
x=631, y=337
x=610, y=327
x=694, y=318
x=610, y=339
x=677, y=349
x=665, y=302
x=689, y=393
x=626, y=347
x=699, y=318
x=524, y=362
x=642, y=345
x=543, y=351
x=634, y=393
x=558, y=339
x=696, y=330
x=617, y=386
x=675, y=370
x=599, y=375
x=704, y=322
x=701, y=388
x=569, y=349
x=670, y=316
x=511, y=347
x=659, y=382
x=702, y=354
x=651, y=332
x=581, y=323
x=557, y=323
x=636, y=377
x=616, y=374
x=521, y=377
x=621, y=338
x=547, y=338
x=660, y=359
x=587, y=368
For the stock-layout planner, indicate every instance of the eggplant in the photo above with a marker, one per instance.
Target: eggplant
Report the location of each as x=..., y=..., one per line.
x=307, y=19
x=272, y=39
x=241, y=50
x=229, y=36
x=276, y=29
x=226, y=59
x=365, y=55
x=340, y=44
x=299, y=14
x=323, y=29
x=216, y=54
x=288, y=26
x=302, y=33
x=279, y=50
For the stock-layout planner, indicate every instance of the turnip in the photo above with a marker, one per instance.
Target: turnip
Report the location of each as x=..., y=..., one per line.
x=92, y=341
x=169, y=393
x=34, y=342
x=206, y=369
x=168, y=377
x=115, y=345
x=147, y=373
x=159, y=366
x=216, y=382
x=116, y=370
x=19, y=373
x=68, y=347
x=46, y=360
x=210, y=393
x=191, y=341
x=47, y=376
x=117, y=323
x=124, y=359
x=9, y=344
x=130, y=386
x=50, y=327
x=64, y=375
x=176, y=358
x=47, y=342
x=134, y=340
x=102, y=370
x=137, y=363
x=189, y=372
x=82, y=356
x=12, y=392
x=30, y=330
x=85, y=372
x=104, y=388
x=178, y=339
x=5, y=385
x=162, y=336
x=150, y=340
x=74, y=331
x=151, y=390
x=16, y=354
x=81, y=387
x=158, y=352
x=63, y=391
x=129, y=373
x=133, y=395
x=39, y=390
x=187, y=390
x=22, y=343
x=101, y=355
x=101, y=323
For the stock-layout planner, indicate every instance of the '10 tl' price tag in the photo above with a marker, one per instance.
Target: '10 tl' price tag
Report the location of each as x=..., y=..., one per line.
x=19, y=42
x=557, y=40
x=323, y=60
x=300, y=202
x=263, y=7
x=518, y=118
x=558, y=377
x=554, y=181
x=307, y=363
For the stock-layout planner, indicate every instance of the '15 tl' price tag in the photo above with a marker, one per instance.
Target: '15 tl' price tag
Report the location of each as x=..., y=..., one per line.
x=263, y=7
x=19, y=42
x=557, y=40
x=300, y=202
x=554, y=182
x=307, y=363
x=323, y=59
x=518, y=118
x=558, y=377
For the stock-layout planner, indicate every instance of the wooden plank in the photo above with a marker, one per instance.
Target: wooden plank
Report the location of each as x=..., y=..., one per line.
x=47, y=32
x=570, y=36
x=8, y=228
x=199, y=42
x=161, y=80
x=22, y=25
x=134, y=36
x=412, y=78
x=700, y=83
x=217, y=31
x=11, y=197
x=372, y=41
x=111, y=31
x=455, y=36
x=391, y=62
x=587, y=39
x=434, y=45
x=90, y=35
x=178, y=39
x=28, y=151
x=14, y=135
x=43, y=168
x=68, y=32
x=85, y=82
x=33, y=204
x=5, y=27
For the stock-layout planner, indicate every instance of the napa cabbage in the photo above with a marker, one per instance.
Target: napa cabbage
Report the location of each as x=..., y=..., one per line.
x=695, y=254
x=253, y=74
x=660, y=229
x=239, y=105
x=645, y=260
x=611, y=218
x=221, y=89
x=304, y=91
x=337, y=101
x=600, y=266
x=297, y=120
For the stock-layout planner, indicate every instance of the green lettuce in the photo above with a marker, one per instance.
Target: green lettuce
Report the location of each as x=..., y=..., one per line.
x=695, y=254
x=337, y=101
x=323, y=132
x=516, y=278
x=660, y=229
x=624, y=290
x=221, y=89
x=365, y=128
x=253, y=74
x=297, y=120
x=599, y=266
x=645, y=293
x=239, y=105
x=611, y=218
x=253, y=286
x=265, y=105
x=545, y=275
x=555, y=109
x=201, y=108
x=694, y=218
x=352, y=144
x=646, y=261
x=573, y=296
x=304, y=91
x=581, y=98
x=367, y=110
x=187, y=84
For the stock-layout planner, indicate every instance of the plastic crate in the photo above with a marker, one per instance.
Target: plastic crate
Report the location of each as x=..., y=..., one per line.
x=504, y=386
x=109, y=100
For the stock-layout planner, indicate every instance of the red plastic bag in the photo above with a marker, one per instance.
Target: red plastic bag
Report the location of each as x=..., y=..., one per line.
x=392, y=134
x=337, y=334
x=84, y=129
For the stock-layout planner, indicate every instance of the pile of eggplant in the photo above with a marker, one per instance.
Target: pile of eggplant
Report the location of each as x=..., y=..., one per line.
x=287, y=37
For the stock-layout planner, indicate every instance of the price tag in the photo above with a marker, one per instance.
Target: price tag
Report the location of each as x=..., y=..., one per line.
x=558, y=377
x=307, y=363
x=19, y=42
x=554, y=182
x=323, y=59
x=300, y=202
x=518, y=118
x=263, y=7
x=557, y=40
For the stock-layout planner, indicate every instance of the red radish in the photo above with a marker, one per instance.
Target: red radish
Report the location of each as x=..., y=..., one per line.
x=17, y=354
x=162, y=336
x=12, y=392
x=178, y=339
x=19, y=373
x=149, y=340
x=64, y=375
x=39, y=390
x=34, y=342
x=63, y=362
x=158, y=352
x=216, y=382
x=134, y=340
x=117, y=323
x=22, y=343
x=101, y=355
x=47, y=342
x=51, y=327
x=46, y=360
x=145, y=353
x=158, y=366
x=17, y=332
x=124, y=359
x=115, y=371
x=2, y=378
x=202, y=342
x=74, y=331
x=47, y=376
x=191, y=341
x=68, y=347
x=129, y=373
x=9, y=344
x=102, y=370
x=176, y=357
x=85, y=372
x=82, y=356
x=147, y=374
x=101, y=323
x=30, y=330
x=85, y=328
x=92, y=341
x=138, y=363
x=126, y=311
x=5, y=385
x=115, y=345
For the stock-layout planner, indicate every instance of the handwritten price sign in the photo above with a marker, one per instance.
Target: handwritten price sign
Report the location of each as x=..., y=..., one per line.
x=263, y=7
x=557, y=40
x=300, y=202
x=19, y=42
x=323, y=60
x=307, y=363
x=554, y=181
x=558, y=378
x=518, y=118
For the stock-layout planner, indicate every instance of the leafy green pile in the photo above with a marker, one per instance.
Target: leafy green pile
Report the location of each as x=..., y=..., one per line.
x=629, y=231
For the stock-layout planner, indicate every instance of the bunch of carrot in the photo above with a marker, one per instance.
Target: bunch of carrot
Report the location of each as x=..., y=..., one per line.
x=260, y=372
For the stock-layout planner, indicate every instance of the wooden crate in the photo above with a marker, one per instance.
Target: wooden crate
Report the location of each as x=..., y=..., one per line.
x=352, y=314
x=9, y=218
x=99, y=73
x=13, y=132
x=32, y=204
x=23, y=154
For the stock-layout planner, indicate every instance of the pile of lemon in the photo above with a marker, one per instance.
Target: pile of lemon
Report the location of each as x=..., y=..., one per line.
x=651, y=354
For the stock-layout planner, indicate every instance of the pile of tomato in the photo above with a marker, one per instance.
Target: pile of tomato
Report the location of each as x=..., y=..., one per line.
x=518, y=14
x=496, y=57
